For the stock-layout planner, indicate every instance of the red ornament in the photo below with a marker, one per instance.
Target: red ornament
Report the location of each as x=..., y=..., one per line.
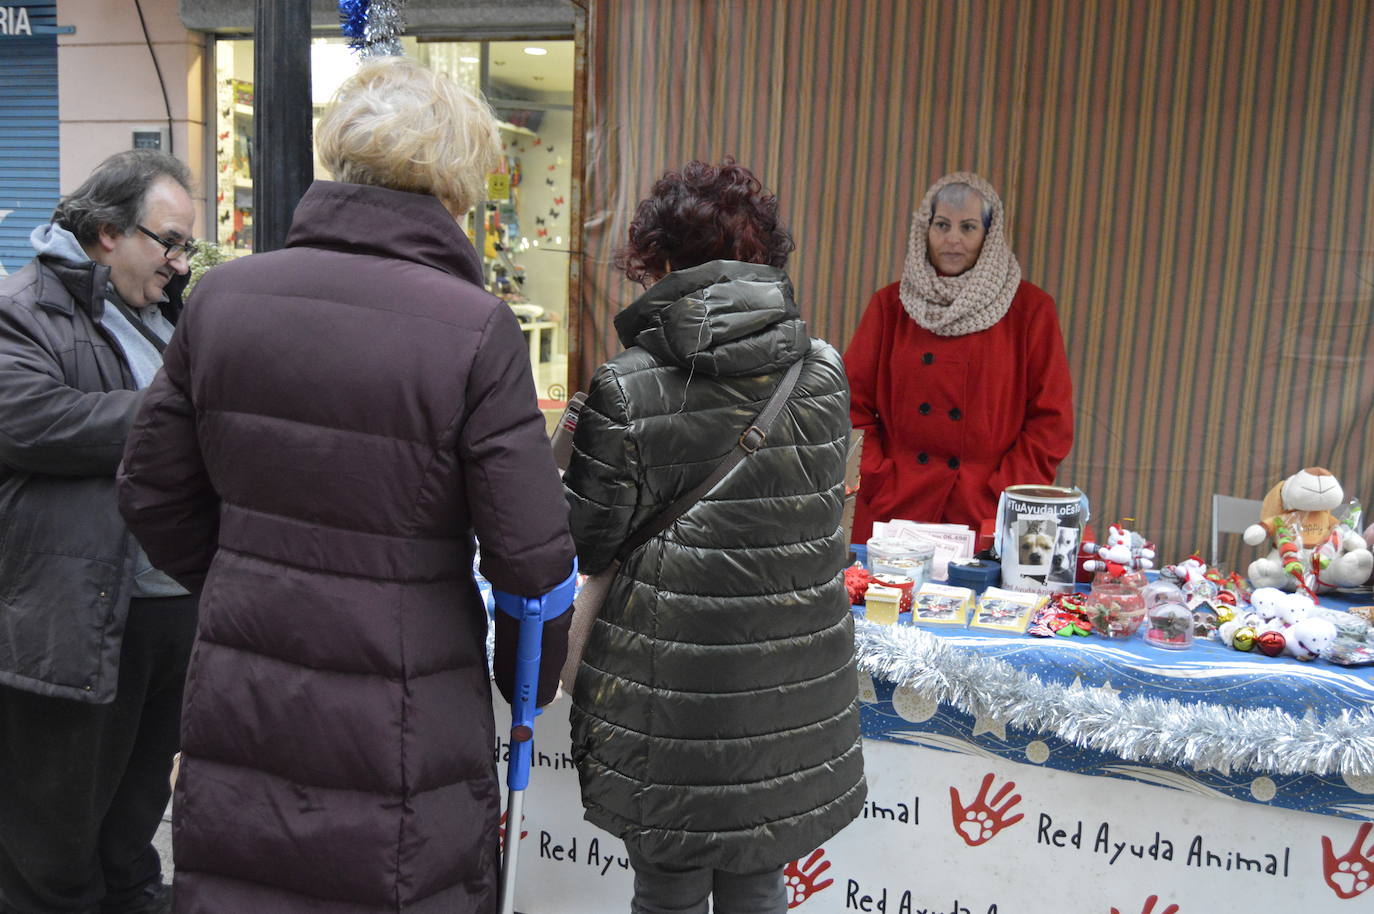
x=856, y=579
x=1269, y=643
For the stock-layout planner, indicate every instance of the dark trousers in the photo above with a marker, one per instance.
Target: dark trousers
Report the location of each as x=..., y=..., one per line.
x=83, y=787
x=665, y=889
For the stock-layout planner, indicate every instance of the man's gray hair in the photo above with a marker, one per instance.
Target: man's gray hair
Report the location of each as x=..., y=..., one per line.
x=114, y=193
x=957, y=193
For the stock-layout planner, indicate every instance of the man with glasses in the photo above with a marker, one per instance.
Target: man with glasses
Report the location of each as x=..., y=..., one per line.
x=94, y=641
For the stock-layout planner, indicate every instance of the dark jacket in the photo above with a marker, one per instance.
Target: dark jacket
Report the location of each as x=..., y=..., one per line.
x=67, y=401
x=715, y=720
x=333, y=423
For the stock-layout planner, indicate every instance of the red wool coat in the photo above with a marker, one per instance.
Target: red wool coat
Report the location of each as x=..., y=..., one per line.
x=949, y=422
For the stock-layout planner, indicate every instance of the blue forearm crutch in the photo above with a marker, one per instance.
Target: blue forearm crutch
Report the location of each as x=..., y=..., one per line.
x=532, y=612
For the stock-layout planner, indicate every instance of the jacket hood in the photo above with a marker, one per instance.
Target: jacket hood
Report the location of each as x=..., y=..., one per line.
x=724, y=318
x=399, y=224
x=52, y=240
x=80, y=280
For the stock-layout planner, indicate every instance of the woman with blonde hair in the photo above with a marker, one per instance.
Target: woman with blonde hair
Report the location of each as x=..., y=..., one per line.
x=334, y=423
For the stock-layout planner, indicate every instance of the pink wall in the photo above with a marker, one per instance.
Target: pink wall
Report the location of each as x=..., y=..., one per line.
x=107, y=85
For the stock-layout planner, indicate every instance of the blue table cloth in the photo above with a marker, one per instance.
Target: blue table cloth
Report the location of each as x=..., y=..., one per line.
x=1209, y=720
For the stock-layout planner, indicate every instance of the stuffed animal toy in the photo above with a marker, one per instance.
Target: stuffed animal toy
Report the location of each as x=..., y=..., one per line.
x=1295, y=608
x=1309, y=639
x=1188, y=572
x=1281, y=623
x=1265, y=602
x=1124, y=551
x=1310, y=550
x=1263, y=613
x=1198, y=585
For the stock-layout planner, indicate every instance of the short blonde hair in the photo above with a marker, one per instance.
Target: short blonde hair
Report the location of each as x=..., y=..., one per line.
x=396, y=124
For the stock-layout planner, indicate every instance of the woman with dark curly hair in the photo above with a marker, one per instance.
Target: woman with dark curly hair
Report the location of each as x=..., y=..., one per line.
x=715, y=722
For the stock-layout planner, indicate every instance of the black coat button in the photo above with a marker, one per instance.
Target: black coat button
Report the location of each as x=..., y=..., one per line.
x=923, y=457
x=954, y=463
x=924, y=408
x=928, y=358
x=955, y=414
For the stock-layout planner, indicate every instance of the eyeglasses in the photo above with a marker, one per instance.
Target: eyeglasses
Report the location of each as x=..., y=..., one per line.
x=172, y=249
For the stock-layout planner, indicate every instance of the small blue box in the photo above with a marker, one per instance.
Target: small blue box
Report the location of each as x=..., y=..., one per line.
x=976, y=574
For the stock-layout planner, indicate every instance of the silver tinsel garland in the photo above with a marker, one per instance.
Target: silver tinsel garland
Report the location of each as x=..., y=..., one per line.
x=382, y=33
x=1161, y=731
x=373, y=27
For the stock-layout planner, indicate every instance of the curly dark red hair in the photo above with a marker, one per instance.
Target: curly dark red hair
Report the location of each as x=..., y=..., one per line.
x=704, y=213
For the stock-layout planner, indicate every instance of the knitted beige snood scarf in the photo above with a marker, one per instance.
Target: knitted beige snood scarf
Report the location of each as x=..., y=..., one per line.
x=973, y=300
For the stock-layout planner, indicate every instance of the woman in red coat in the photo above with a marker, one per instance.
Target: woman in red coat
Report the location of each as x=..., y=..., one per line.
x=958, y=375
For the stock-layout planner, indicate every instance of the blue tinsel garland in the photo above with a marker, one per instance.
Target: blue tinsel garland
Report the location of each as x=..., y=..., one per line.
x=353, y=21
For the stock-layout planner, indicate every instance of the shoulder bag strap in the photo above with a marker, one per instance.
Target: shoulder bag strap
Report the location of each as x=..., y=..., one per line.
x=137, y=323
x=587, y=605
x=750, y=440
x=562, y=439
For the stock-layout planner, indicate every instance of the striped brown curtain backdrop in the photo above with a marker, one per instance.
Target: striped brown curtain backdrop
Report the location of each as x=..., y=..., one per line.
x=1192, y=180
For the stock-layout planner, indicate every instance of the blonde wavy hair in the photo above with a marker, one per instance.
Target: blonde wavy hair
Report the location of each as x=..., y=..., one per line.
x=397, y=124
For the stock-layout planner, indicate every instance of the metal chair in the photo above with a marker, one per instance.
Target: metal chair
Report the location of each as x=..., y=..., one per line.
x=1231, y=515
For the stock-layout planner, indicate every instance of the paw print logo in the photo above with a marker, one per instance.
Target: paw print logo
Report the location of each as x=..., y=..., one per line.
x=1150, y=907
x=801, y=878
x=983, y=818
x=1352, y=872
x=502, y=830
x=977, y=827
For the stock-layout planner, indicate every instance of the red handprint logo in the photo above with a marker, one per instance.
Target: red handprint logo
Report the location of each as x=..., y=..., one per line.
x=981, y=819
x=502, y=829
x=1350, y=874
x=801, y=878
x=1150, y=907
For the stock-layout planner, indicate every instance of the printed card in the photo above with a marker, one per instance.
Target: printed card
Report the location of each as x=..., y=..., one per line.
x=1006, y=610
x=941, y=604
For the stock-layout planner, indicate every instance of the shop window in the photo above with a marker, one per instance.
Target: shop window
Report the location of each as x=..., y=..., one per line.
x=523, y=232
x=526, y=231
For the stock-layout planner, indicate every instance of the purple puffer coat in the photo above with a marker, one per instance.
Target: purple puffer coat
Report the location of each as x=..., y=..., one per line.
x=333, y=423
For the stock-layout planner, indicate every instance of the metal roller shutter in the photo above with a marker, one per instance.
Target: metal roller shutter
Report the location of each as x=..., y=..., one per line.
x=28, y=125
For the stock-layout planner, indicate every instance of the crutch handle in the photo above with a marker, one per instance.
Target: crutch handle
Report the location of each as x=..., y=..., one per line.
x=532, y=612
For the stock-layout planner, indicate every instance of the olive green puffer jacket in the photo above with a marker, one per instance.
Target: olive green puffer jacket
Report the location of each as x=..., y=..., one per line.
x=715, y=720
